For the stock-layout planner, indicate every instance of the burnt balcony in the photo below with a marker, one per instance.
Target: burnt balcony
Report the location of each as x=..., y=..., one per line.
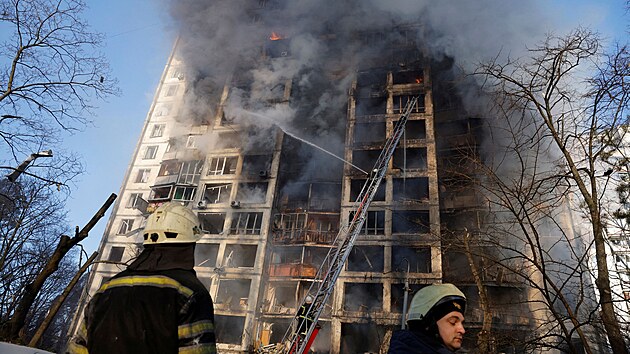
x=293, y=270
x=299, y=236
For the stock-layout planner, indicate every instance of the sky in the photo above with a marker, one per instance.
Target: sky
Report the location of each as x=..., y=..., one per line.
x=138, y=42
x=139, y=38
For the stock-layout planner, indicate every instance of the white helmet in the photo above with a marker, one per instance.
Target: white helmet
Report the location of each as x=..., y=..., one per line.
x=438, y=299
x=172, y=223
x=309, y=299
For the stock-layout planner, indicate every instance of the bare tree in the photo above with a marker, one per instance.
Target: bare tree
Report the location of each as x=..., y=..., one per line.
x=51, y=72
x=34, y=267
x=32, y=217
x=555, y=120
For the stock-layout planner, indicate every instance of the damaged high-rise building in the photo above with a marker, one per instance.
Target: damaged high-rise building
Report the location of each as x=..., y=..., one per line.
x=267, y=122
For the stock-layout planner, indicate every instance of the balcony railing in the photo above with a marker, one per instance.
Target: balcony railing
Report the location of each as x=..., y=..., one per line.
x=303, y=235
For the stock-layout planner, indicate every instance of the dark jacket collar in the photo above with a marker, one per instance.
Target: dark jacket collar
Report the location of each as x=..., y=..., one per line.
x=406, y=342
x=165, y=256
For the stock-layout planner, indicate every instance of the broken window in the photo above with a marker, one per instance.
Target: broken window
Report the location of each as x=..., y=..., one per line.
x=169, y=168
x=294, y=196
x=206, y=255
x=372, y=78
x=411, y=189
x=459, y=127
x=190, y=172
x=283, y=298
x=374, y=222
x=356, y=186
x=414, y=259
x=158, y=130
x=229, y=329
x=408, y=77
x=415, y=129
x=252, y=192
x=256, y=165
x=400, y=103
x=160, y=193
x=410, y=222
x=237, y=256
x=410, y=159
x=225, y=165
x=365, y=297
x=363, y=337
x=134, y=200
x=289, y=227
x=246, y=223
x=143, y=175
x=274, y=333
x=325, y=196
x=150, y=152
x=184, y=193
x=116, y=254
x=365, y=159
x=323, y=222
x=212, y=223
x=216, y=193
x=126, y=225
x=233, y=294
x=366, y=259
x=368, y=106
x=365, y=133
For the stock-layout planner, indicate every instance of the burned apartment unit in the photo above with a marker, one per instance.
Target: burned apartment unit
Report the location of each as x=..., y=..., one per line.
x=270, y=208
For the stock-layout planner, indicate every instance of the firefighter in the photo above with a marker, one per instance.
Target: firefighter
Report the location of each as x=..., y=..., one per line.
x=305, y=319
x=435, y=322
x=157, y=305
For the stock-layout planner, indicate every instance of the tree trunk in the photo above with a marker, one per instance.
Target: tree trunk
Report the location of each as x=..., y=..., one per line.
x=13, y=329
x=611, y=324
x=57, y=304
x=484, y=338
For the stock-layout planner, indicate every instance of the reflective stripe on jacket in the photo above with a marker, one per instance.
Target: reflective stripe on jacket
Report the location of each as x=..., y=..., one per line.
x=149, y=309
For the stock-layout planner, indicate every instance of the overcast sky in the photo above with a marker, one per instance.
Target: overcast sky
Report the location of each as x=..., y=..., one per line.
x=140, y=37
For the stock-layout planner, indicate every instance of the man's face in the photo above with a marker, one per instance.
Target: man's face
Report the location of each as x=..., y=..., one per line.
x=451, y=329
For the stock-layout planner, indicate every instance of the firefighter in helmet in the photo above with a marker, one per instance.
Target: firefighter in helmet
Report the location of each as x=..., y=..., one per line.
x=435, y=322
x=156, y=305
x=305, y=319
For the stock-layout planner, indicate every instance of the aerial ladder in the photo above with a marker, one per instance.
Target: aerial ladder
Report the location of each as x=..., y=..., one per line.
x=301, y=334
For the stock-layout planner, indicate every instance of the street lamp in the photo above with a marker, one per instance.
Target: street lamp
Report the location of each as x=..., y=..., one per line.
x=18, y=171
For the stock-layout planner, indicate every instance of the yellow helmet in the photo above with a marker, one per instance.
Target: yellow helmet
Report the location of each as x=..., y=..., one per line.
x=437, y=297
x=172, y=223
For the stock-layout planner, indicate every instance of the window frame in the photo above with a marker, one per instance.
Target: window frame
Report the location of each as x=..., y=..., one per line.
x=150, y=152
x=126, y=225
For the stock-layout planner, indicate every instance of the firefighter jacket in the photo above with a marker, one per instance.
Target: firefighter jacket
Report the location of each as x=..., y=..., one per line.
x=157, y=305
x=408, y=342
x=305, y=319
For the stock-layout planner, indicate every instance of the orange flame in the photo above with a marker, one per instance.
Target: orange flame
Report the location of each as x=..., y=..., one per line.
x=275, y=36
x=418, y=80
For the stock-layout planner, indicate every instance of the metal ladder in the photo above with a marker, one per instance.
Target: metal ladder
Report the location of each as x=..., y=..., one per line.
x=294, y=342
